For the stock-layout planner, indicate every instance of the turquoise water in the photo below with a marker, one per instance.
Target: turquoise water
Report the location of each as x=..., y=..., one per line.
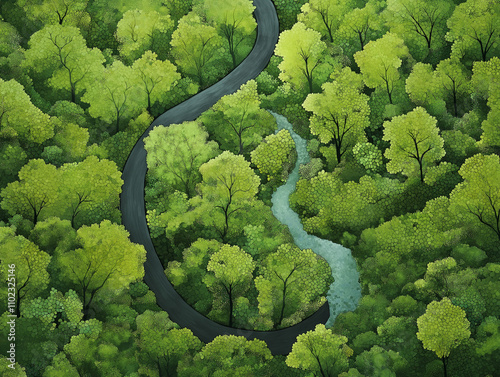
x=345, y=292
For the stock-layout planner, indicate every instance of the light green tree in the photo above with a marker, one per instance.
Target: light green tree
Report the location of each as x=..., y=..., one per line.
x=442, y=328
x=380, y=60
x=478, y=196
x=421, y=20
x=304, y=54
x=454, y=80
x=137, y=29
x=474, y=29
x=15, y=108
x=340, y=114
x=9, y=39
x=484, y=80
x=413, y=136
x=195, y=46
x=90, y=190
x=175, y=154
x=63, y=50
x=106, y=260
x=229, y=184
x=31, y=276
x=232, y=270
x=292, y=279
x=155, y=77
x=36, y=190
x=117, y=96
x=324, y=16
x=234, y=20
x=226, y=356
x=272, y=154
x=360, y=23
x=62, y=12
x=237, y=122
x=320, y=351
x=162, y=343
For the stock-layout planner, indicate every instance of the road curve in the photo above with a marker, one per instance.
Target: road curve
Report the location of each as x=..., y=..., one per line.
x=133, y=210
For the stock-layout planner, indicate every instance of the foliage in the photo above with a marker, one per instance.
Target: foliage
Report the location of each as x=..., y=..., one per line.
x=63, y=51
x=305, y=58
x=237, y=121
x=273, y=156
x=380, y=61
x=473, y=29
x=340, y=113
x=320, y=351
x=175, y=154
x=442, y=327
x=137, y=30
x=228, y=355
x=478, y=197
x=197, y=48
x=412, y=137
x=291, y=280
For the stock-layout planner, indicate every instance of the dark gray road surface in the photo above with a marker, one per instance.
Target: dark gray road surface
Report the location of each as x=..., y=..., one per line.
x=133, y=208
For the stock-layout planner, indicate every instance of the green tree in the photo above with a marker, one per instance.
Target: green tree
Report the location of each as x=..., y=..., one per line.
x=91, y=190
x=291, y=280
x=454, y=79
x=473, y=25
x=36, y=189
x=195, y=46
x=106, y=260
x=30, y=266
x=380, y=60
x=442, y=328
x=63, y=51
x=320, y=351
x=137, y=30
x=228, y=355
x=360, y=23
x=244, y=121
x=232, y=269
x=229, y=183
x=62, y=12
x=162, y=343
x=116, y=96
x=478, y=196
x=155, y=77
x=15, y=108
x=413, y=136
x=272, y=154
x=234, y=20
x=304, y=54
x=9, y=39
x=324, y=16
x=484, y=79
x=175, y=154
x=340, y=115
x=378, y=362
x=60, y=367
x=422, y=19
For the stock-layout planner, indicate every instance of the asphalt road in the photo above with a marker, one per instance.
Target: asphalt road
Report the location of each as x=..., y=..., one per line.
x=133, y=210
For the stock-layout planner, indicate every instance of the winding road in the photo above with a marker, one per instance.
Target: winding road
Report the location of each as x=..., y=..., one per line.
x=133, y=210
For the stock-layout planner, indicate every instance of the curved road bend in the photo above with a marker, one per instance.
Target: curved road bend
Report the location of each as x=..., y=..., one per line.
x=133, y=210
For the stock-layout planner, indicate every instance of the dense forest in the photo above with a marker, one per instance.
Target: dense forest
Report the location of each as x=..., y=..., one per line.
x=399, y=101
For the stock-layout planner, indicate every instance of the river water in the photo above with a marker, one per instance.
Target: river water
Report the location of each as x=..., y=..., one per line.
x=345, y=291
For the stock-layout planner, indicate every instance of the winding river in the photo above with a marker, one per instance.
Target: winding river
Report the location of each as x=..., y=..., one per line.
x=345, y=291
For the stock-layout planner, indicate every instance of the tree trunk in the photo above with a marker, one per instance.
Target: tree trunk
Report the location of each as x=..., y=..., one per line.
x=282, y=306
x=421, y=170
x=444, y=360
